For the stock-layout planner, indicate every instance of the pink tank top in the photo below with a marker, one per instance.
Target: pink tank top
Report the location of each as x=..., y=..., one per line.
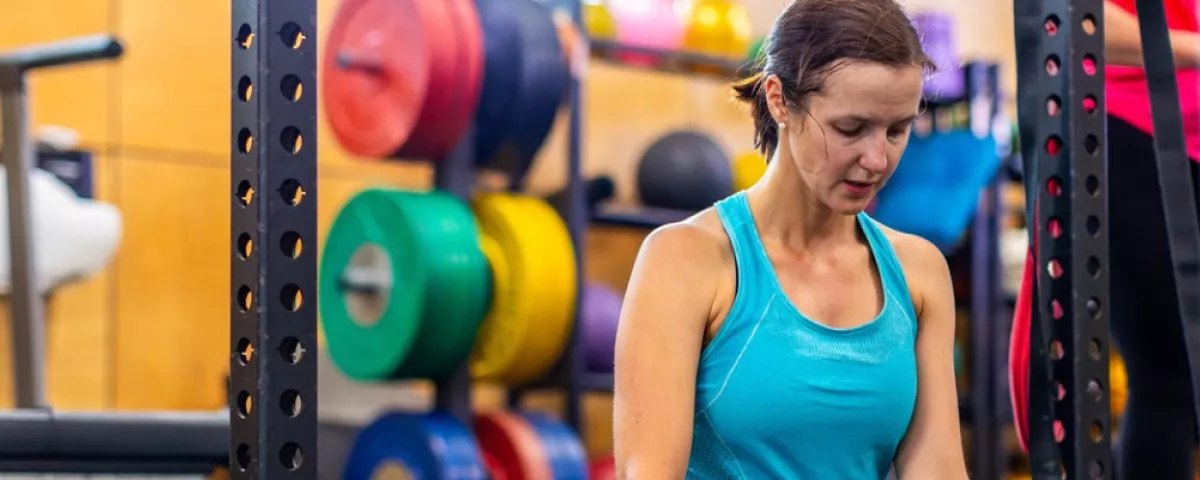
x=1127, y=96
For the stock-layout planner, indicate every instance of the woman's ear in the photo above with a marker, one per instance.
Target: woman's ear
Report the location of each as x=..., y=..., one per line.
x=776, y=103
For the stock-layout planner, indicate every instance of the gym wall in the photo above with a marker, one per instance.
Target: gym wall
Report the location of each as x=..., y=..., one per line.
x=150, y=332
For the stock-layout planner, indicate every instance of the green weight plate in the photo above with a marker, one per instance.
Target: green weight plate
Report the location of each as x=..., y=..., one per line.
x=371, y=283
x=458, y=282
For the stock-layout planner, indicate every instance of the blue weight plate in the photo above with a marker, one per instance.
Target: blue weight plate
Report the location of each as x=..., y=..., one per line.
x=543, y=79
x=502, y=58
x=432, y=446
x=564, y=449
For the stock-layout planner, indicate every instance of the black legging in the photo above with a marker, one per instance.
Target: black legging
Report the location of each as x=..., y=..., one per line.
x=1157, y=434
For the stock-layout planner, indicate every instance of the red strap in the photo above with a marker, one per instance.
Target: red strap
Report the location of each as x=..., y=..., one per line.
x=1018, y=353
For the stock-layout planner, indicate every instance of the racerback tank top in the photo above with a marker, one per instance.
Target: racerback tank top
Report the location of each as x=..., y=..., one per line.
x=779, y=395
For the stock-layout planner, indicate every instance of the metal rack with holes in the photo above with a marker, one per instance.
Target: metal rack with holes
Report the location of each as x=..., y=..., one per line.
x=273, y=229
x=1060, y=47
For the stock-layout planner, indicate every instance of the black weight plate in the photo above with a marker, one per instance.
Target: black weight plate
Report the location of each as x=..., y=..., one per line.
x=503, y=54
x=544, y=79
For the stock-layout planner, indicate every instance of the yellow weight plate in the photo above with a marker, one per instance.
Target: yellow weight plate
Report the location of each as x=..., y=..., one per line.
x=557, y=295
x=747, y=169
x=491, y=354
x=526, y=330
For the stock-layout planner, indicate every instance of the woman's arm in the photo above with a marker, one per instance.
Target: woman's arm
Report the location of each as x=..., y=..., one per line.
x=932, y=448
x=667, y=306
x=1123, y=41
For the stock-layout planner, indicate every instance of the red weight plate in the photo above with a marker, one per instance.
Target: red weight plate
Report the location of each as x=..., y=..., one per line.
x=437, y=21
x=374, y=75
x=470, y=74
x=511, y=447
x=603, y=469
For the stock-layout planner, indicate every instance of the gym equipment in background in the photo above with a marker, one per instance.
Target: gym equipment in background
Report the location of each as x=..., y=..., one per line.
x=747, y=169
x=684, y=170
x=598, y=320
x=418, y=446
x=511, y=448
x=717, y=27
x=405, y=285
x=526, y=79
x=497, y=64
x=563, y=448
x=530, y=445
x=651, y=24
x=598, y=21
x=935, y=189
x=532, y=309
x=937, y=38
x=604, y=468
x=76, y=237
x=400, y=77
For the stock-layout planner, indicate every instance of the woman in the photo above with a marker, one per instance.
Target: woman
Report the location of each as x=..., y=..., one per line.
x=784, y=333
x=1158, y=428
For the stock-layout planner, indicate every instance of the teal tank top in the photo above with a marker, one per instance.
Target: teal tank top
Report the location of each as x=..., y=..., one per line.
x=780, y=396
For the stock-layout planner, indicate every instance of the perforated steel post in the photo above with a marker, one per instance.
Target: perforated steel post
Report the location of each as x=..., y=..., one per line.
x=1063, y=120
x=273, y=165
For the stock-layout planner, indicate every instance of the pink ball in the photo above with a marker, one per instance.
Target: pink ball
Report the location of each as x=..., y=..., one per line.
x=647, y=24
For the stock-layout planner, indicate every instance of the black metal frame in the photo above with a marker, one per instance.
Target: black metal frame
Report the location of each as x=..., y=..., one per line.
x=273, y=240
x=1070, y=332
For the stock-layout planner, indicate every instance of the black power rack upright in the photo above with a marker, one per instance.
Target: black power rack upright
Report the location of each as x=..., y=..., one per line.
x=1060, y=65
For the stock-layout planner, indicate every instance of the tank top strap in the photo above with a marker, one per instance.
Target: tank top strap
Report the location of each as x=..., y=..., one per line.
x=738, y=222
x=890, y=271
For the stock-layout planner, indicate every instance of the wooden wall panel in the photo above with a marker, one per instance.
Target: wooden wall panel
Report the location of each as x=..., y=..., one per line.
x=173, y=285
x=78, y=334
x=74, y=96
x=173, y=85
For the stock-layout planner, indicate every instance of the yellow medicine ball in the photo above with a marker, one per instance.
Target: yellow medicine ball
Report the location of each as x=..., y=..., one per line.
x=718, y=27
x=747, y=169
x=598, y=20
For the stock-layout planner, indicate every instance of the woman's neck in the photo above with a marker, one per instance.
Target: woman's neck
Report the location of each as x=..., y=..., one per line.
x=789, y=212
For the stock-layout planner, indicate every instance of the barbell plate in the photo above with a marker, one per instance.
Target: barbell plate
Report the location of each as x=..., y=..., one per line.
x=428, y=140
x=375, y=74
x=557, y=292
x=522, y=342
x=511, y=448
x=511, y=321
x=458, y=282
x=431, y=446
x=600, y=312
x=563, y=448
x=372, y=285
x=465, y=95
x=523, y=337
x=604, y=468
x=503, y=57
x=545, y=77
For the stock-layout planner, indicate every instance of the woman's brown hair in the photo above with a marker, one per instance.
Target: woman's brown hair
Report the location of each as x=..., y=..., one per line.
x=813, y=37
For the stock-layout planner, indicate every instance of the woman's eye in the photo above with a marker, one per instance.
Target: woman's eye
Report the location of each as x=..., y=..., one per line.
x=850, y=132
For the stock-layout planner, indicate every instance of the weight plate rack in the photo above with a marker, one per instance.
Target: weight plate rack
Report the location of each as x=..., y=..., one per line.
x=1060, y=45
x=273, y=219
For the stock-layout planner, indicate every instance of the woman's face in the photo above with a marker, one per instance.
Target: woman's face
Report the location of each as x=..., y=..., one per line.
x=855, y=130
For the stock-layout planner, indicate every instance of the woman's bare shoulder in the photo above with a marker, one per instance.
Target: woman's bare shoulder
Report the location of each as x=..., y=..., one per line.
x=697, y=243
